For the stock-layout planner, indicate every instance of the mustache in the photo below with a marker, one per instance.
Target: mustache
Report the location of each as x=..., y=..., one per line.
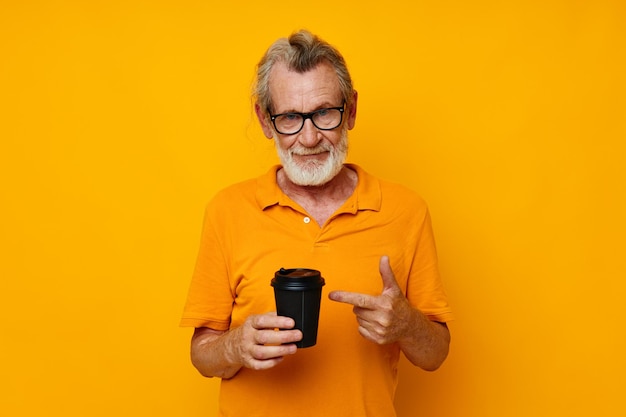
x=302, y=150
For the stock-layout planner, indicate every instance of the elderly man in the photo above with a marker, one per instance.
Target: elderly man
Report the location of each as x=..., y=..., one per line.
x=371, y=239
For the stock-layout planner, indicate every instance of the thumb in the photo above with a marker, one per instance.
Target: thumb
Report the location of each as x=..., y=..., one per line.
x=389, y=279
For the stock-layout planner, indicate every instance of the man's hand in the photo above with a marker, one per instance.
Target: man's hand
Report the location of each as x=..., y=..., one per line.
x=389, y=318
x=256, y=344
x=384, y=318
x=259, y=345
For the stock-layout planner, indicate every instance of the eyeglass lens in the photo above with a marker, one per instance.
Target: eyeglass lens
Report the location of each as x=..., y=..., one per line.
x=325, y=119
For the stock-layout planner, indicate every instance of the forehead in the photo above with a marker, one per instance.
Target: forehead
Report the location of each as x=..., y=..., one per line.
x=294, y=91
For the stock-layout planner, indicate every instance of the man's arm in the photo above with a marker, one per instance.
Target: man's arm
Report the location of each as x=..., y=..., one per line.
x=390, y=318
x=427, y=343
x=255, y=344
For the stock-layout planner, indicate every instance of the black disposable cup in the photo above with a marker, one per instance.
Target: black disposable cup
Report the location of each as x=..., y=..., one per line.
x=298, y=294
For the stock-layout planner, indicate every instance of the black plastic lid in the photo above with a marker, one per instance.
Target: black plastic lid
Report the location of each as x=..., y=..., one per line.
x=297, y=279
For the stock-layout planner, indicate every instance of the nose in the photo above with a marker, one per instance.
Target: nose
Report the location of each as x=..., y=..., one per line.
x=309, y=136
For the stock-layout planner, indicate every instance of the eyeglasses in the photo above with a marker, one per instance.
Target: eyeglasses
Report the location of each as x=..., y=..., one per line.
x=323, y=119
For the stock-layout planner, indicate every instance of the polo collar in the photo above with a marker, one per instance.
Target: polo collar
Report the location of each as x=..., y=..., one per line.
x=366, y=196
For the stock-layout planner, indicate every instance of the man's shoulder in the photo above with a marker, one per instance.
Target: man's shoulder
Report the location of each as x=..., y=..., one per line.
x=390, y=191
x=244, y=191
x=402, y=200
x=393, y=188
x=239, y=187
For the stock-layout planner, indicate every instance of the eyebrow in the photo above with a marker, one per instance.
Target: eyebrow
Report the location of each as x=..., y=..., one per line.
x=325, y=105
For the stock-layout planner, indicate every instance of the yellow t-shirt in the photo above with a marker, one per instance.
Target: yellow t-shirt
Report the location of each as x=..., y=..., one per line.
x=252, y=229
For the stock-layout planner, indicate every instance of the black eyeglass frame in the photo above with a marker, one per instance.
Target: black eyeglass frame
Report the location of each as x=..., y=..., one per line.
x=310, y=115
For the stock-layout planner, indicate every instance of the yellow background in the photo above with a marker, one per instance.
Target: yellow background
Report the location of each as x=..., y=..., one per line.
x=120, y=119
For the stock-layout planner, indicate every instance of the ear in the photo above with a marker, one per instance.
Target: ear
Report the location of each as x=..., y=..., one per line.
x=264, y=121
x=351, y=116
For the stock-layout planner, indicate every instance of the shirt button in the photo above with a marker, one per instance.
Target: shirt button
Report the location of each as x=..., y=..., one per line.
x=307, y=220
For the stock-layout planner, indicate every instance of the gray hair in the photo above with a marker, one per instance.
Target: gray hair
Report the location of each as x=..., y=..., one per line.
x=301, y=52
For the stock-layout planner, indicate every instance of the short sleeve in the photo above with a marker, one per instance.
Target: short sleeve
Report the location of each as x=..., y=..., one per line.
x=210, y=298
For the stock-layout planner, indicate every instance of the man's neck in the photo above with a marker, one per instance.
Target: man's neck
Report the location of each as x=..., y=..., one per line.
x=323, y=200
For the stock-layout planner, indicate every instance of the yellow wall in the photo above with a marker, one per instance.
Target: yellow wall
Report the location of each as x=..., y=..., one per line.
x=120, y=119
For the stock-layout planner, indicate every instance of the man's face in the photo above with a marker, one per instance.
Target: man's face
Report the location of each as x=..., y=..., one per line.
x=311, y=156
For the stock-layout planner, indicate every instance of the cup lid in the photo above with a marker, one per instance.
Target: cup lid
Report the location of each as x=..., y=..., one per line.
x=297, y=279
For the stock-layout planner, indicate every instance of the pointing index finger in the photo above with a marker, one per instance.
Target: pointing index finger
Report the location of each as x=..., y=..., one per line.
x=354, y=298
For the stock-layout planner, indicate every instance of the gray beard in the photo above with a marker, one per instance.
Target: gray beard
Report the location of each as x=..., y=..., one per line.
x=314, y=173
